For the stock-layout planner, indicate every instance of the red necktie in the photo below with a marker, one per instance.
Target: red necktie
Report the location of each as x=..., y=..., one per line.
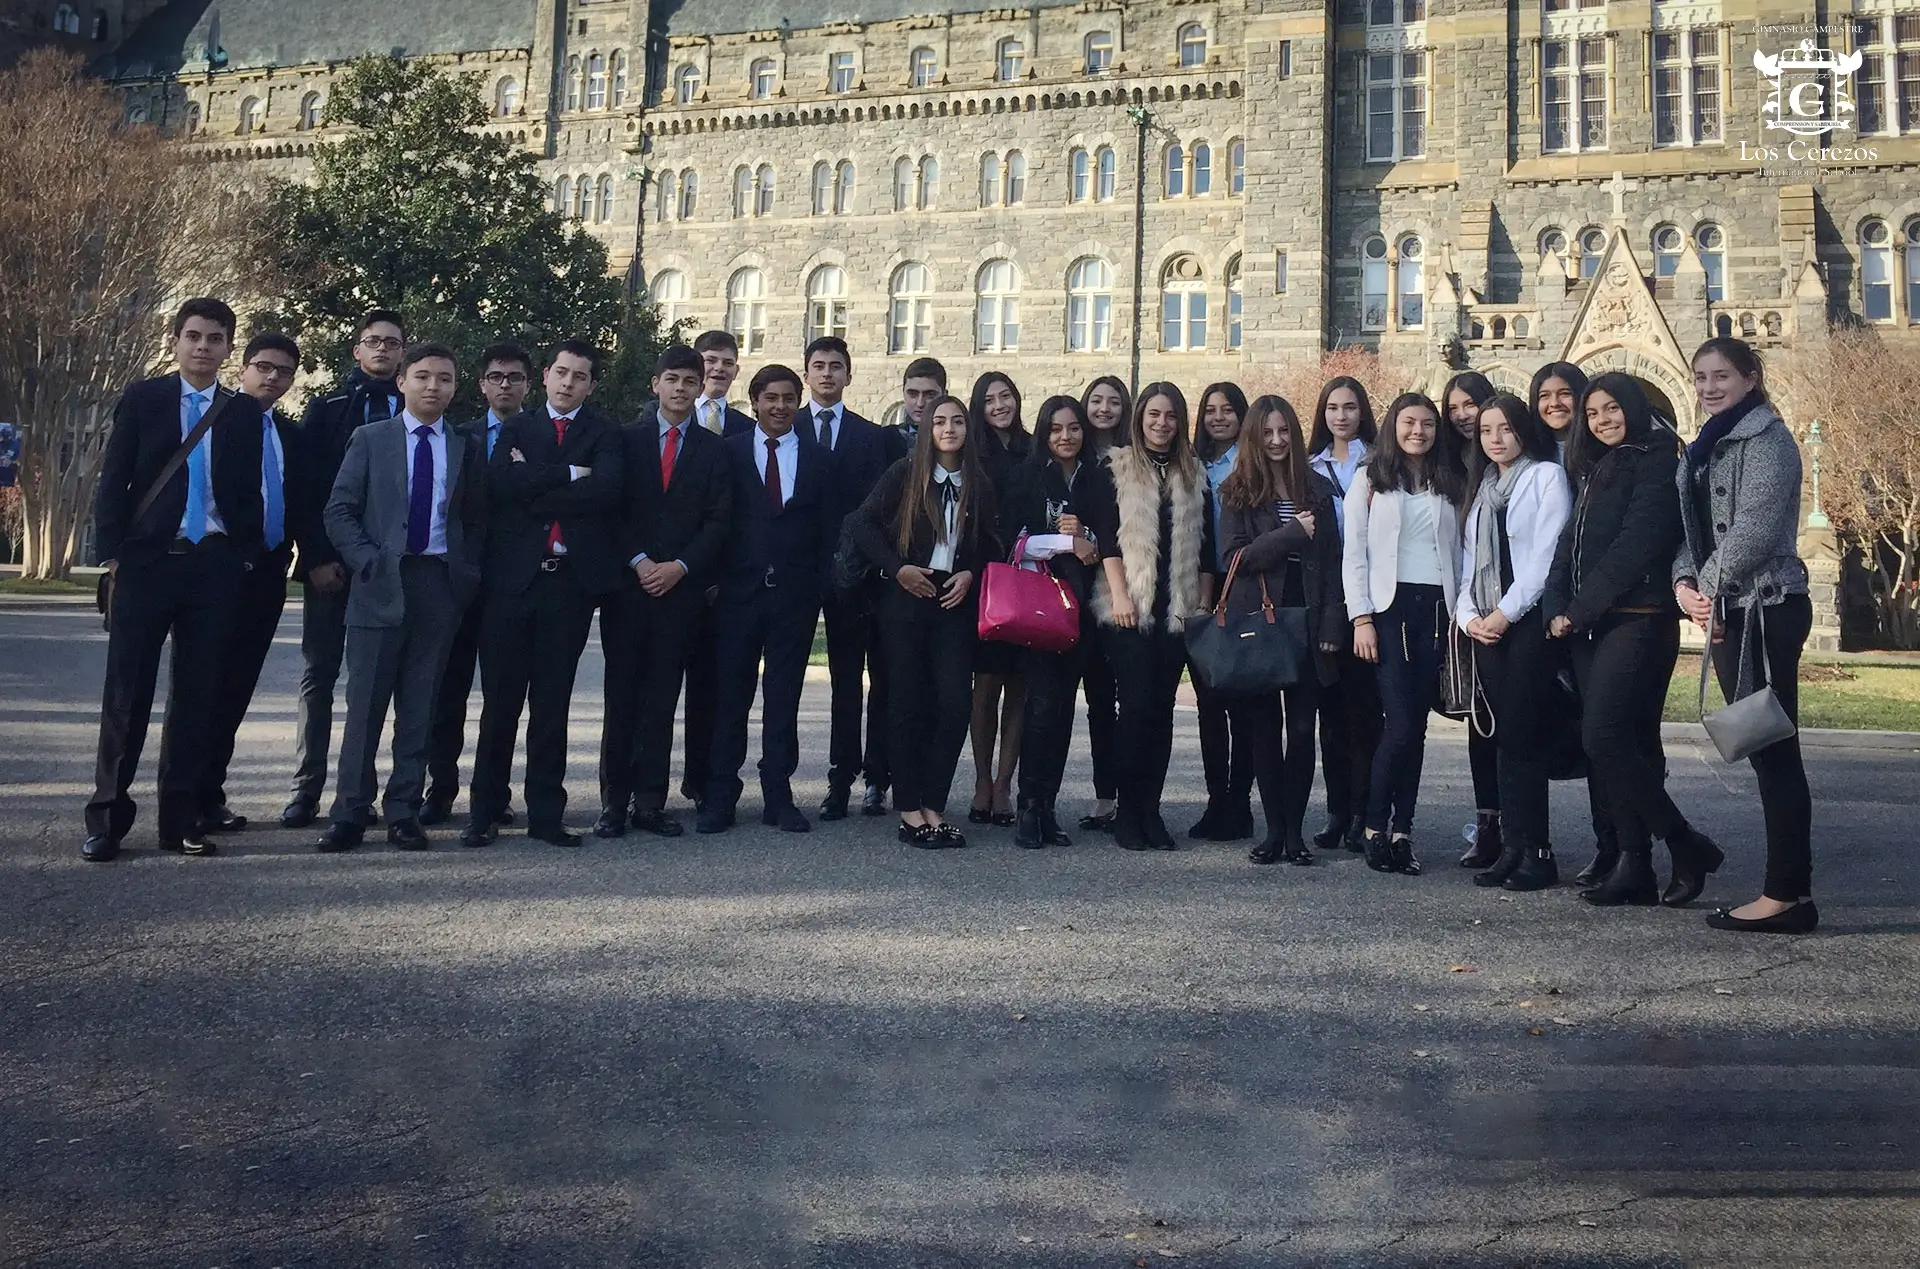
x=553, y=530
x=774, y=501
x=669, y=453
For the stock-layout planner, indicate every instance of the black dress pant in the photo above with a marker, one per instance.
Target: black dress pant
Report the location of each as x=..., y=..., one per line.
x=532, y=644
x=646, y=641
x=703, y=699
x=1409, y=640
x=323, y=648
x=855, y=664
x=931, y=648
x=1623, y=666
x=1510, y=767
x=1147, y=664
x=1350, y=722
x=1785, y=800
x=1226, y=753
x=256, y=619
x=1053, y=683
x=1278, y=729
x=192, y=598
x=766, y=633
x=449, y=736
x=1103, y=717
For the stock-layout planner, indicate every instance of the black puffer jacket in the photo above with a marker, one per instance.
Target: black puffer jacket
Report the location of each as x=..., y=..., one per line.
x=1617, y=549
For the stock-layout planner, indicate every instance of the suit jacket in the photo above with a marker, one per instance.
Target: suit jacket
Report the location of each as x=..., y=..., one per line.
x=686, y=521
x=295, y=519
x=527, y=498
x=145, y=434
x=366, y=519
x=326, y=427
x=794, y=549
x=862, y=451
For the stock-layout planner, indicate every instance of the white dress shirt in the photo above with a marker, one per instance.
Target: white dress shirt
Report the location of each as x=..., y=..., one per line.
x=942, y=558
x=788, y=448
x=437, y=441
x=1537, y=510
x=214, y=523
x=837, y=413
x=711, y=413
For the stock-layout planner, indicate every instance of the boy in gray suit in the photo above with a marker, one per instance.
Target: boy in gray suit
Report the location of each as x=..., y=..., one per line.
x=408, y=516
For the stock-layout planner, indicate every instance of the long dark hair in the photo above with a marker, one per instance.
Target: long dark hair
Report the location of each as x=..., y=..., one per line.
x=1043, y=425
x=1253, y=482
x=1181, y=447
x=1390, y=467
x=1535, y=440
x=1584, y=450
x=1016, y=440
x=1479, y=390
x=1572, y=375
x=1205, y=448
x=918, y=502
x=1321, y=435
x=1741, y=354
x=1122, y=432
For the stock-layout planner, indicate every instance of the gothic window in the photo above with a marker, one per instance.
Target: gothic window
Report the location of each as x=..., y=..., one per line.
x=1089, y=306
x=1202, y=168
x=742, y=192
x=1593, y=244
x=619, y=79
x=923, y=68
x=686, y=84
x=603, y=200
x=1183, y=306
x=576, y=76
x=1667, y=244
x=1176, y=184
x=1913, y=273
x=1105, y=172
x=1411, y=274
x=66, y=20
x=1234, y=295
x=1373, y=284
x=840, y=73
x=929, y=183
x=989, y=179
x=1686, y=87
x=997, y=308
x=99, y=26
x=763, y=190
x=910, y=318
x=1573, y=95
x=1396, y=106
x=1237, y=167
x=903, y=183
x=689, y=194
x=747, y=309
x=1193, y=45
x=582, y=198
x=827, y=303
x=1080, y=176
x=1711, y=243
x=762, y=78
x=1016, y=191
x=1876, y=271
x=1012, y=60
x=563, y=196
x=822, y=188
x=596, y=82
x=669, y=292
x=310, y=112
x=843, y=188
x=506, y=97
x=666, y=197
x=1099, y=48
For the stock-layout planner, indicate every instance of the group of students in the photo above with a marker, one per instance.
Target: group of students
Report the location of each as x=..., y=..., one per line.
x=1563, y=536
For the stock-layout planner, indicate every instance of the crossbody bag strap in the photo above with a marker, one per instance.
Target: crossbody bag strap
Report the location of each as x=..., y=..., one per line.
x=1740, y=670
x=179, y=456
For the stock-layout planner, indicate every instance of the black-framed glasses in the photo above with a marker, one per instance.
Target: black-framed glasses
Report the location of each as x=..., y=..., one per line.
x=504, y=378
x=380, y=342
x=270, y=369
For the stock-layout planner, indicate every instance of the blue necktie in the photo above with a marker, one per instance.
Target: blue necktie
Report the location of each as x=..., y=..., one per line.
x=196, y=473
x=276, y=497
x=420, y=497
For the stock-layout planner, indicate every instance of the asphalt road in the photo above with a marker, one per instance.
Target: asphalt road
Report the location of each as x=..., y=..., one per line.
x=831, y=1050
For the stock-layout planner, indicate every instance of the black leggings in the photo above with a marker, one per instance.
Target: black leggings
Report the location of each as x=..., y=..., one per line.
x=1409, y=642
x=1226, y=754
x=1102, y=708
x=1053, y=679
x=1349, y=712
x=1279, y=731
x=1785, y=800
x=1146, y=674
x=1510, y=766
x=1624, y=665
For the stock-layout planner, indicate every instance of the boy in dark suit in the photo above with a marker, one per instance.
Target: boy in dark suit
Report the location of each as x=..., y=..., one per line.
x=673, y=525
x=177, y=551
x=778, y=567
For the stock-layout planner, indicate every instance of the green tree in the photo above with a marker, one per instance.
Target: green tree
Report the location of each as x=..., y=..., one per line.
x=422, y=210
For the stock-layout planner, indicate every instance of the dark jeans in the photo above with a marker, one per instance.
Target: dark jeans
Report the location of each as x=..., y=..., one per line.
x=1226, y=754
x=1349, y=734
x=1102, y=707
x=1785, y=800
x=1623, y=666
x=1279, y=731
x=531, y=645
x=1053, y=681
x=1510, y=766
x=1147, y=665
x=931, y=649
x=323, y=645
x=1409, y=634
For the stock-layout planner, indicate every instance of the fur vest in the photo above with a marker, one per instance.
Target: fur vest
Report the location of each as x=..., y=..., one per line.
x=1137, y=494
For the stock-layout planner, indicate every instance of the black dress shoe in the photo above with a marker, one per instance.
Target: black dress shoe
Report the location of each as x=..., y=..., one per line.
x=1295, y=852
x=1357, y=837
x=299, y=813
x=1157, y=833
x=1267, y=852
x=658, y=822
x=1400, y=852
x=1801, y=918
x=1486, y=848
x=1379, y=852
x=1050, y=831
x=554, y=835
x=338, y=837
x=874, y=800
x=1333, y=836
x=436, y=810
x=222, y=820
x=787, y=819
x=1027, y=833
x=713, y=819
x=1128, y=831
x=1695, y=858
x=194, y=843
x=478, y=833
x=100, y=849
x=835, y=805
x=611, y=824
x=1097, y=823
x=408, y=835
x=924, y=836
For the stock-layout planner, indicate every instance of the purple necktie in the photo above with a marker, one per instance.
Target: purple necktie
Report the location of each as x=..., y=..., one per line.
x=420, y=499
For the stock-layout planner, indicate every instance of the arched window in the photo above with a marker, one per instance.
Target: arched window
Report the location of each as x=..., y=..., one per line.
x=1233, y=304
x=923, y=68
x=742, y=192
x=669, y=293
x=929, y=182
x=747, y=309
x=1202, y=168
x=1876, y=271
x=762, y=77
x=563, y=196
x=903, y=184
x=1667, y=244
x=843, y=188
x=666, y=197
x=1012, y=60
x=689, y=194
x=253, y=114
x=582, y=198
x=1105, y=171
x=1411, y=274
x=603, y=200
x=997, y=308
x=1913, y=272
x=1712, y=246
x=310, y=111
x=1176, y=172
x=506, y=97
x=1089, y=305
x=1079, y=176
x=989, y=179
x=1099, y=45
x=1373, y=284
x=822, y=188
x=66, y=21
x=1553, y=241
x=827, y=303
x=1237, y=167
x=575, y=77
x=686, y=84
x=1183, y=306
x=1193, y=45
x=1016, y=178
x=910, y=317
x=1593, y=245
x=596, y=82
x=619, y=79
x=763, y=190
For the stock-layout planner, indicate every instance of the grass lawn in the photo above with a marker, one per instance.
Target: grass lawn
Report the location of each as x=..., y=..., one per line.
x=38, y=586
x=1856, y=698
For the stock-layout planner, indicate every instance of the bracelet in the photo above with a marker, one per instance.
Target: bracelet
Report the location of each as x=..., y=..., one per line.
x=1364, y=619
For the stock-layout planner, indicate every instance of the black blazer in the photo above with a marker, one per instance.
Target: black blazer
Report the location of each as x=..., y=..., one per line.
x=793, y=550
x=686, y=521
x=1618, y=546
x=876, y=521
x=737, y=421
x=862, y=450
x=1037, y=495
x=526, y=498
x=324, y=431
x=1268, y=544
x=292, y=489
x=145, y=434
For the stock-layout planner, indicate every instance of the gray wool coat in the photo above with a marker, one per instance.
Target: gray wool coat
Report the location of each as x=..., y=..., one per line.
x=1753, y=486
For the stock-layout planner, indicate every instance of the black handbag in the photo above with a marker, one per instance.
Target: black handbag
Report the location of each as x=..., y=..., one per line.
x=1250, y=654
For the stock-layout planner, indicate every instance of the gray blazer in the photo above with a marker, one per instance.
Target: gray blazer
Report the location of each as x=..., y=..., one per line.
x=1753, y=492
x=366, y=519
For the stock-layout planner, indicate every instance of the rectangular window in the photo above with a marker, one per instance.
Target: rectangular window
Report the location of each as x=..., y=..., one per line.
x=1909, y=69
x=1373, y=295
x=1280, y=272
x=1413, y=105
x=1233, y=319
x=840, y=73
x=1706, y=86
x=1556, y=92
x=911, y=327
x=1573, y=95
x=1380, y=125
x=1870, y=92
x=1286, y=59
x=1089, y=323
x=1686, y=87
x=1396, y=106
x=1593, y=94
x=1183, y=321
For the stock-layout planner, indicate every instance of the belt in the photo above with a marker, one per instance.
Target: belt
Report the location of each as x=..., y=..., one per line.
x=187, y=546
x=552, y=563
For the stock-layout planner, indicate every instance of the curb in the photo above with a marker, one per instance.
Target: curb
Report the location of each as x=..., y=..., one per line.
x=1810, y=737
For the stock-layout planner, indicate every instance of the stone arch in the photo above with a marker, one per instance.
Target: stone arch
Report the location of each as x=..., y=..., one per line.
x=1668, y=384
x=1506, y=378
x=1029, y=103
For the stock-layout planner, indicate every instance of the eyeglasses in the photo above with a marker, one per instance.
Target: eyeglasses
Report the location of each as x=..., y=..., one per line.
x=381, y=343
x=504, y=379
x=270, y=369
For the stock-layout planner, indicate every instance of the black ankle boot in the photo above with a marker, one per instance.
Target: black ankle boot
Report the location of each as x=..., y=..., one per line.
x=1695, y=858
x=1027, y=827
x=1485, y=851
x=1050, y=830
x=1512, y=853
x=1537, y=871
x=1334, y=835
x=1379, y=852
x=1606, y=853
x=1128, y=832
x=1631, y=882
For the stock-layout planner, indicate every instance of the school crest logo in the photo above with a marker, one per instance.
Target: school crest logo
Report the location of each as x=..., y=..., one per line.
x=1811, y=89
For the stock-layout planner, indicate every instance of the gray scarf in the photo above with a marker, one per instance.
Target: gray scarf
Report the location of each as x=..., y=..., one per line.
x=1486, y=543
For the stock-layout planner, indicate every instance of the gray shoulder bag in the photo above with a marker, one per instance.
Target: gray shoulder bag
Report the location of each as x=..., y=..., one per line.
x=1754, y=719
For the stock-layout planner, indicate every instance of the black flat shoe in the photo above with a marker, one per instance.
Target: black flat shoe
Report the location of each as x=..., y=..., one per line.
x=1097, y=823
x=787, y=819
x=1128, y=833
x=554, y=835
x=924, y=836
x=874, y=801
x=1801, y=918
x=1695, y=858
x=339, y=837
x=835, y=805
x=1357, y=837
x=1050, y=831
x=1235, y=825
x=299, y=813
x=1379, y=852
x=506, y=818
x=713, y=819
x=949, y=837
x=408, y=835
x=1400, y=854
x=1208, y=826
x=658, y=822
x=611, y=824
x=478, y=833
x=1296, y=853
x=223, y=821
x=436, y=810
x=99, y=850
x=1264, y=853
x=1158, y=835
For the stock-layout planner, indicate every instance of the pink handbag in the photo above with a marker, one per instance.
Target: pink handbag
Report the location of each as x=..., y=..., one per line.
x=1032, y=609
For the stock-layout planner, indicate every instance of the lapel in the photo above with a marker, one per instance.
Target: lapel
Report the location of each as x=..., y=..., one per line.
x=457, y=442
x=398, y=465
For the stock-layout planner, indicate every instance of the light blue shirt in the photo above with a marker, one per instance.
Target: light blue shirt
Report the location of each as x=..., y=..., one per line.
x=437, y=441
x=188, y=392
x=494, y=424
x=1341, y=476
x=270, y=445
x=788, y=447
x=1216, y=473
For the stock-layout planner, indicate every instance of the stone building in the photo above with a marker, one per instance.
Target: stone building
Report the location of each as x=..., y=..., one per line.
x=1180, y=189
